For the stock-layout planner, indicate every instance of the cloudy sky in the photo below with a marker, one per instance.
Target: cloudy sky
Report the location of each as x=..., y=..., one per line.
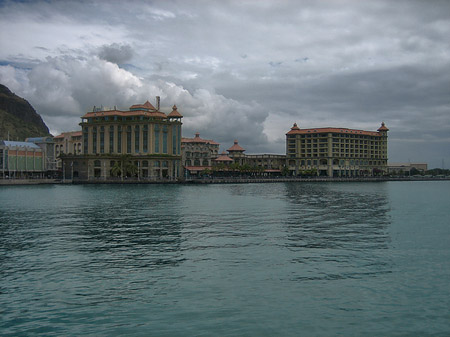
x=243, y=70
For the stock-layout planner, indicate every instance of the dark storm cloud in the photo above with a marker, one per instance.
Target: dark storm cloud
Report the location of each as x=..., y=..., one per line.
x=116, y=53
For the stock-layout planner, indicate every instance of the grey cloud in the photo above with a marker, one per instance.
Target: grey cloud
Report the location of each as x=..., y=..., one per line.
x=319, y=63
x=116, y=53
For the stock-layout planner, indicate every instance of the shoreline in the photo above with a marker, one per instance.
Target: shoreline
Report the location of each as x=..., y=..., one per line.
x=15, y=182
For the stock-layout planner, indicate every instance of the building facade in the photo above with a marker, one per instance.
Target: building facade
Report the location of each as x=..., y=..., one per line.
x=142, y=142
x=21, y=160
x=402, y=168
x=262, y=164
x=68, y=143
x=337, y=152
x=267, y=163
x=198, y=154
x=47, y=145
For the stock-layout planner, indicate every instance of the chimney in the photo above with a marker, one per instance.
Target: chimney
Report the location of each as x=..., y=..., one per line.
x=158, y=99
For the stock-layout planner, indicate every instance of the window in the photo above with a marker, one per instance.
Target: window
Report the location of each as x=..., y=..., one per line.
x=145, y=138
x=165, y=139
x=111, y=139
x=136, y=139
x=174, y=139
x=94, y=140
x=128, y=139
x=119, y=139
x=102, y=139
x=156, y=138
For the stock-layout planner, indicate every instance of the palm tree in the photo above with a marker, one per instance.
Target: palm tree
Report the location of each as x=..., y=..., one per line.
x=116, y=170
x=131, y=169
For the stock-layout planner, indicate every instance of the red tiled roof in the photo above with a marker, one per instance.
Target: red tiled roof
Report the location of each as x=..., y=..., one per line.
x=71, y=133
x=236, y=148
x=296, y=130
x=197, y=168
x=146, y=105
x=175, y=113
x=223, y=157
x=125, y=113
x=197, y=139
x=383, y=127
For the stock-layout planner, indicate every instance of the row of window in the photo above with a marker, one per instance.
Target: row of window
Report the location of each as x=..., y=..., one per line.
x=339, y=162
x=98, y=139
x=138, y=164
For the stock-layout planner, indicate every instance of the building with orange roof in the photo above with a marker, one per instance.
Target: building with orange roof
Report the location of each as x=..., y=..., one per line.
x=236, y=152
x=198, y=154
x=142, y=142
x=265, y=164
x=337, y=152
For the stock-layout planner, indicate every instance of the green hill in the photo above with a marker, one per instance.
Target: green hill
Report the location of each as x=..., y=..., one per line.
x=18, y=117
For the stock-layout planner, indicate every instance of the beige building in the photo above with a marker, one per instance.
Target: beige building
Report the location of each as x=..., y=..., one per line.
x=337, y=152
x=198, y=153
x=268, y=163
x=397, y=168
x=140, y=143
x=67, y=143
x=264, y=163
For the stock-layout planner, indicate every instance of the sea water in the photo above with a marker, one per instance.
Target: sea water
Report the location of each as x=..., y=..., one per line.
x=275, y=259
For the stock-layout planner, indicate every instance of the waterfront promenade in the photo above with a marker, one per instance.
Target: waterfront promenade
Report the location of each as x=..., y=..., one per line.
x=215, y=180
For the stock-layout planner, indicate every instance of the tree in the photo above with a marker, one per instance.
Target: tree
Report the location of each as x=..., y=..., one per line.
x=116, y=169
x=285, y=171
x=131, y=169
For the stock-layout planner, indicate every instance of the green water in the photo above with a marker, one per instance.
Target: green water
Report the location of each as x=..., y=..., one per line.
x=284, y=259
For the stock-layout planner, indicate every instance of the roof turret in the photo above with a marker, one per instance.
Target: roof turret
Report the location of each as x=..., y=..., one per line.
x=383, y=127
x=175, y=113
x=236, y=147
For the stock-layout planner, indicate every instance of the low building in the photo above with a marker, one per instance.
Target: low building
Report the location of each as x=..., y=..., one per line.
x=236, y=152
x=402, y=168
x=198, y=154
x=261, y=164
x=140, y=143
x=270, y=164
x=21, y=160
x=337, y=152
x=48, y=147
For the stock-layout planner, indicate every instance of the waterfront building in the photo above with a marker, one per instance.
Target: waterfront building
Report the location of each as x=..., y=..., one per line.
x=223, y=161
x=236, y=152
x=21, y=160
x=198, y=154
x=142, y=142
x=337, y=152
x=265, y=164
x=47, y=145
x=68, y=143
x=271, y=164
x=402, y=168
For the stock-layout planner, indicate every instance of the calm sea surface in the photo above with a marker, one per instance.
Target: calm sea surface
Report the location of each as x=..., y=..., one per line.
x=284, y=259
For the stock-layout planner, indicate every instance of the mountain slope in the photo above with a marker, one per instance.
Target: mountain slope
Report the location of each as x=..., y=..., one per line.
x=18, y=117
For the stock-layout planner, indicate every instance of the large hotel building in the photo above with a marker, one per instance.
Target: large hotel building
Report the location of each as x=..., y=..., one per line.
x=337, y=152
x=143, y=143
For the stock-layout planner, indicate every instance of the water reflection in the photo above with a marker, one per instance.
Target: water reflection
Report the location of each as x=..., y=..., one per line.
x=338, y=231
x=131, y=230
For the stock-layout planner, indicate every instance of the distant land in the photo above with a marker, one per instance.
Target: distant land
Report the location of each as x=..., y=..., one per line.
x=18, y=117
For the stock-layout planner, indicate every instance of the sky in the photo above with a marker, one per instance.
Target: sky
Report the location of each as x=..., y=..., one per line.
x=244, y=70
